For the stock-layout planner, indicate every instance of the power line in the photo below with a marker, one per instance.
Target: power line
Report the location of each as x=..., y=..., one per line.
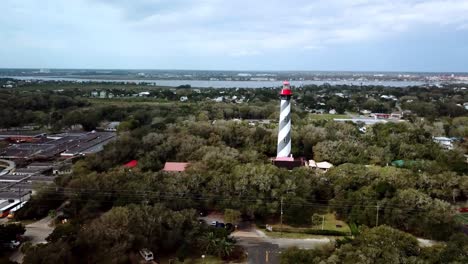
x=132, y=194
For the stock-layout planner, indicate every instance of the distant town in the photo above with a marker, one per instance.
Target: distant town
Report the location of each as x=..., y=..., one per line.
x=267, y=78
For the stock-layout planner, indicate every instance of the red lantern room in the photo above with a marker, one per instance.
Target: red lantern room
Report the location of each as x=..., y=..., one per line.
x=286, y=89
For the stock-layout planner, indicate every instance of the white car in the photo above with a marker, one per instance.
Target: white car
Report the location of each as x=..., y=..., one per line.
x=146, y=254
x=14, y=244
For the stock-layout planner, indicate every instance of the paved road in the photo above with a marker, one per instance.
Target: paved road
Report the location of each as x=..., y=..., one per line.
x=260, y=252
x=7, y=169
x=262, y=249
x=36, y=232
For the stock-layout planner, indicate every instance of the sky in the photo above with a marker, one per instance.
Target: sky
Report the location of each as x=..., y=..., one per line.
x=352, y=35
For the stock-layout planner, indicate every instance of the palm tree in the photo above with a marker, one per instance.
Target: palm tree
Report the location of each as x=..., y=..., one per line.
x=209, y=242
x=214, y=245
x=225, y=247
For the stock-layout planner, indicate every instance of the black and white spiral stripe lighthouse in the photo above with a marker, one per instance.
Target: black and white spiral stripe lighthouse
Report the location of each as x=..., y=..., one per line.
x=284, y=132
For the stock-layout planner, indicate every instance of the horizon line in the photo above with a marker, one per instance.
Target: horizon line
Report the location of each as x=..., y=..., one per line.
x=231, y=70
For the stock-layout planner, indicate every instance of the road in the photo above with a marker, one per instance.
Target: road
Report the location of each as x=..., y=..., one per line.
x=11, y=166
x=36, y=233
x=262, y=249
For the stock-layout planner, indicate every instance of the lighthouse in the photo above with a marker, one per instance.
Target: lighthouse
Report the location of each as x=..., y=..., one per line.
x=284, y=132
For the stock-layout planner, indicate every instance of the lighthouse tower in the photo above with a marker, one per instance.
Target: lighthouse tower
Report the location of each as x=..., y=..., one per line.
x=284, y=132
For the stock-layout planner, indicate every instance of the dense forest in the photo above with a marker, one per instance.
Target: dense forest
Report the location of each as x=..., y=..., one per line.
x=119, y=210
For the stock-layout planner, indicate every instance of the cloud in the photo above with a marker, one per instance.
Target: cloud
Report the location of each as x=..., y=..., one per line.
x=165, y=29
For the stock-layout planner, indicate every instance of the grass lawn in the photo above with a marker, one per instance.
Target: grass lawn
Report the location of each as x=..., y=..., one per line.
x=331, y=222
x=24, y=222
x=463, y=218
x=325, y=116
x=289, y=235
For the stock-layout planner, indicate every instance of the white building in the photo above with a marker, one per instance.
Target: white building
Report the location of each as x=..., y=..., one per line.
x=111, y=126
x=324, y=165
x=445, y=142
x=366, y=112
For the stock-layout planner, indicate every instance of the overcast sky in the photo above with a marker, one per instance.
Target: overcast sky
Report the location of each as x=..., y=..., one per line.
x=377, y=35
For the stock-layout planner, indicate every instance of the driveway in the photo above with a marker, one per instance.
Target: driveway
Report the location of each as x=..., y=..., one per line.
x=36, y=233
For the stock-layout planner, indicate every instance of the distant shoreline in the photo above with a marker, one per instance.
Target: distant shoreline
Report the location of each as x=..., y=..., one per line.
x=219, y=83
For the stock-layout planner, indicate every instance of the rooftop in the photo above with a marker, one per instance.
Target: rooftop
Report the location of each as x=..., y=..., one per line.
x=324, y=165
x=175, y=166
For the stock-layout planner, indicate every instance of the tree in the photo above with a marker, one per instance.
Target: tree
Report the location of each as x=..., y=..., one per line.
x=377, y=245
x=456, y=250
x=232, y=216
x=11, y=232
x=316, y=219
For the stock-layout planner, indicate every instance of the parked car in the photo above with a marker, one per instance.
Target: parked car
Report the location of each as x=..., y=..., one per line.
x=230, y=227
x=146, y=254
x=12, y=244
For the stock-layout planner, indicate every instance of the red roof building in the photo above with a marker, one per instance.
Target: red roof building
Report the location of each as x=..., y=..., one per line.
x=131, y=164
x=175, y=166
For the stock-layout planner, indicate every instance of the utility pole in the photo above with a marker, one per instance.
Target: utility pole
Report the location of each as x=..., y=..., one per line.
x=377, y=216
x=281, y=217
x=323, y=220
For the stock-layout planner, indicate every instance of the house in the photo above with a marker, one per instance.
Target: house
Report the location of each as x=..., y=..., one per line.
x=332, y=112
x=218, y=99
x=365, y=112
x=131, y=164
x=110, y=126
x=396, y=115
x=389, y=97
x=175, y=166
x=324, y=165
x=380, y=116
x=63, y=169
x=445, y=142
